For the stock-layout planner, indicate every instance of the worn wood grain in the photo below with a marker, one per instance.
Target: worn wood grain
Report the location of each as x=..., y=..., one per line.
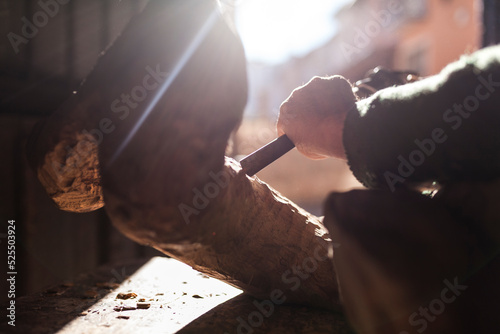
x=180, y=300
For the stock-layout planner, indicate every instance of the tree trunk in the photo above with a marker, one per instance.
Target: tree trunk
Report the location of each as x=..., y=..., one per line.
x=146, y=135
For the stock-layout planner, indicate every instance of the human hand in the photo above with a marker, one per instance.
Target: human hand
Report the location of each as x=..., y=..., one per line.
x=313, y=116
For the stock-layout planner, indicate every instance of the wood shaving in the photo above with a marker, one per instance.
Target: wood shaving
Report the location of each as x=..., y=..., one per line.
x=107, y=285
x=91, y=294
x=143, y=305
x=126, y=295
x=124, y=308
x=123, y=317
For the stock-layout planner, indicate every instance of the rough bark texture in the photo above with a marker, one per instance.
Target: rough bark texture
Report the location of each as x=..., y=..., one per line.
x=66, y=163
x=248, y=235
x=160, y=164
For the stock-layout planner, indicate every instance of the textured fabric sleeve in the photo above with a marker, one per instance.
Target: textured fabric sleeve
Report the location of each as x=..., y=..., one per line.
x=443, y=128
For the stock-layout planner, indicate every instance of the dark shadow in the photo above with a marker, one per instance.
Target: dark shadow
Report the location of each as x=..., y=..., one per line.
x=51, y=310
x=245, y=314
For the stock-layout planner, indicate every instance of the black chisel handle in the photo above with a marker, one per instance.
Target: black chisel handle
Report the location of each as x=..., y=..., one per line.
x=265, y=155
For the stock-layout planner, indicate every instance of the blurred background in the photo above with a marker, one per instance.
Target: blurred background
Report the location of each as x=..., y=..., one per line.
x=289, y=42
x=286, y=42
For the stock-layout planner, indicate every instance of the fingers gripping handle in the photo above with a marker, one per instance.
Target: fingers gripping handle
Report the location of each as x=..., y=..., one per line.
x=265, y=155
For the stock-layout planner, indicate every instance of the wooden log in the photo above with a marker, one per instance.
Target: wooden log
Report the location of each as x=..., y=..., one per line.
x=409, y=264
x=159, y=109
x=248, y=235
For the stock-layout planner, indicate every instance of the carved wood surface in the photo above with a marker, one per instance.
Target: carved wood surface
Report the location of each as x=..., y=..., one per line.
x=146, y=135
x=158, y=110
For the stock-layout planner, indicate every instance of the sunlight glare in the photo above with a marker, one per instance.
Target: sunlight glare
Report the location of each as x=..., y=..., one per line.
x=273, y=30
x=179, y=65
x=168, y=285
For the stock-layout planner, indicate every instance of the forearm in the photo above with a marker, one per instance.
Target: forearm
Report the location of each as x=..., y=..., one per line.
x=442, y=128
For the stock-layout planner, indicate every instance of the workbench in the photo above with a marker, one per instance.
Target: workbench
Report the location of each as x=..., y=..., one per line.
x=160, y=295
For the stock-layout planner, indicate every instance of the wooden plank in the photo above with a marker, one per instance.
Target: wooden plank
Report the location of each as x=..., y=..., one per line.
x=181, y=300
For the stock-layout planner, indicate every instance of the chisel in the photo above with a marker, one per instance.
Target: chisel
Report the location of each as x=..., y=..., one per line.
x=254, y=162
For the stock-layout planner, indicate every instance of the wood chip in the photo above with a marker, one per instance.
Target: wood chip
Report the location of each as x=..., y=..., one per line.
x=91, y=294
x=123, y=317
x=126, y=295
x=143, y=305
x=124, y=308
x=107, y=285
x=197, y=296
x=142, y=300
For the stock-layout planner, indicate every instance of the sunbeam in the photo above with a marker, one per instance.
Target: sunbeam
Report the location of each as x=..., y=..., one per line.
x=186, y=55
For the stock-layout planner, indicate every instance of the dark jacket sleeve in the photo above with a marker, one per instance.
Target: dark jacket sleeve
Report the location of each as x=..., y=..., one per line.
x=444, y=128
